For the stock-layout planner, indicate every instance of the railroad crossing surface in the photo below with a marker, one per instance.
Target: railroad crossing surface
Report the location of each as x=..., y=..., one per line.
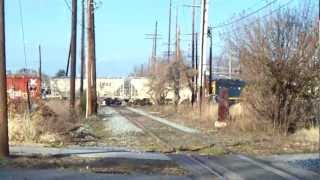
x=170, y=137
x=237, y=167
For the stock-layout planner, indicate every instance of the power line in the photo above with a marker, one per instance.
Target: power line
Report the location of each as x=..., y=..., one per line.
x=255, y=4
x=246, y=16
x=270, y=13
x=68, y=5
x=22, y=30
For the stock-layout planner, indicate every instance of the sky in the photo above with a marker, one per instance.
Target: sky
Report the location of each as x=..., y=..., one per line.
x=121, y=26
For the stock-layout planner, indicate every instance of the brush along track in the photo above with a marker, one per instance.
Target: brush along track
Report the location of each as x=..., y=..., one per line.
x=168, y=138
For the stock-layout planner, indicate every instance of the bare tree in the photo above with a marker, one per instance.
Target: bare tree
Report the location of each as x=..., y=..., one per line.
x=180, y=76
x=159, y=83
x=278, y=58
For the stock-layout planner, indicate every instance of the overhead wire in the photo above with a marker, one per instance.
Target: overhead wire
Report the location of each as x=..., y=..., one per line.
x=23, y=34
x=274, y=11
x=68, y=5
x=246, y=16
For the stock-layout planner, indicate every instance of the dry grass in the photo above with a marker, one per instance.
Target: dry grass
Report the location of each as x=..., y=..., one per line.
x=307, y=135
x=210, y=113
x=46, y=124
x=246, y=133
x=188, y=115
x=242, y=118
x=21, y=128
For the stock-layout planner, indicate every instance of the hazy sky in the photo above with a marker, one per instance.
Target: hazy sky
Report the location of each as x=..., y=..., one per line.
x=120, y=30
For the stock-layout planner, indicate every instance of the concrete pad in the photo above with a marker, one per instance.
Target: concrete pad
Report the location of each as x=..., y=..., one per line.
x=88, y=152
x=128, y=155
x=164, y=121
x=291, y=157
x=281, y=162
x=266, y=167
x=47, y=151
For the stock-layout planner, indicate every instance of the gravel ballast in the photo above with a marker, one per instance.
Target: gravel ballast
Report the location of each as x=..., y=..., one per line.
x=164, y=121
x=118, y=124
x=308, y=164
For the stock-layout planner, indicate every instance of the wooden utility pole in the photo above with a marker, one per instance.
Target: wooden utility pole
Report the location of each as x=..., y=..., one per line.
x=210, y=34
x=154, y=37
x=203, y=49
x=169, y=34
x=177, y=36
x=176, y=68
x=90, y=58
x=68, y=61
x=193, y=53
x=141, y=70
x=40, y=70
x=73, y=54
x=154, y=58
x=94, y=63
x=4, y=139
x=318, y=58
x=82, y=50
x=196, y=63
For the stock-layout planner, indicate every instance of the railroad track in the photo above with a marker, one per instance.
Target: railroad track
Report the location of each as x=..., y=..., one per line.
x=168, y=148
x=173, y=139
x=208, y=167
x=200, y=168
x=189, y=160
x=169, y=138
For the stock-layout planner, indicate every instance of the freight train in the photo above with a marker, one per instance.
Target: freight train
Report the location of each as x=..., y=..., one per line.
x=18, y=86
x=136, y=89
x=234, y=86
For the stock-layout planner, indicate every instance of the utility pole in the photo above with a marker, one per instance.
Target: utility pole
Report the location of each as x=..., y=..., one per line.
x=4, y=139
x=68, y=63
x=196, y=63
x=210, y=34
x=203, y=49
x=169, y=34
x=230, y=69
x=177, y=36
x=176, y=65
x=141, y=70
x=94, y=64
x=40, y=69
x=73, y=54
x=318, y=58
x=82, y=50
x=90, y=58
x=193, y=98
x=154, y=37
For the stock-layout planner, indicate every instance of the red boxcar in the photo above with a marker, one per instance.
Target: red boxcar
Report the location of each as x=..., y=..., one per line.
x=17, y=86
